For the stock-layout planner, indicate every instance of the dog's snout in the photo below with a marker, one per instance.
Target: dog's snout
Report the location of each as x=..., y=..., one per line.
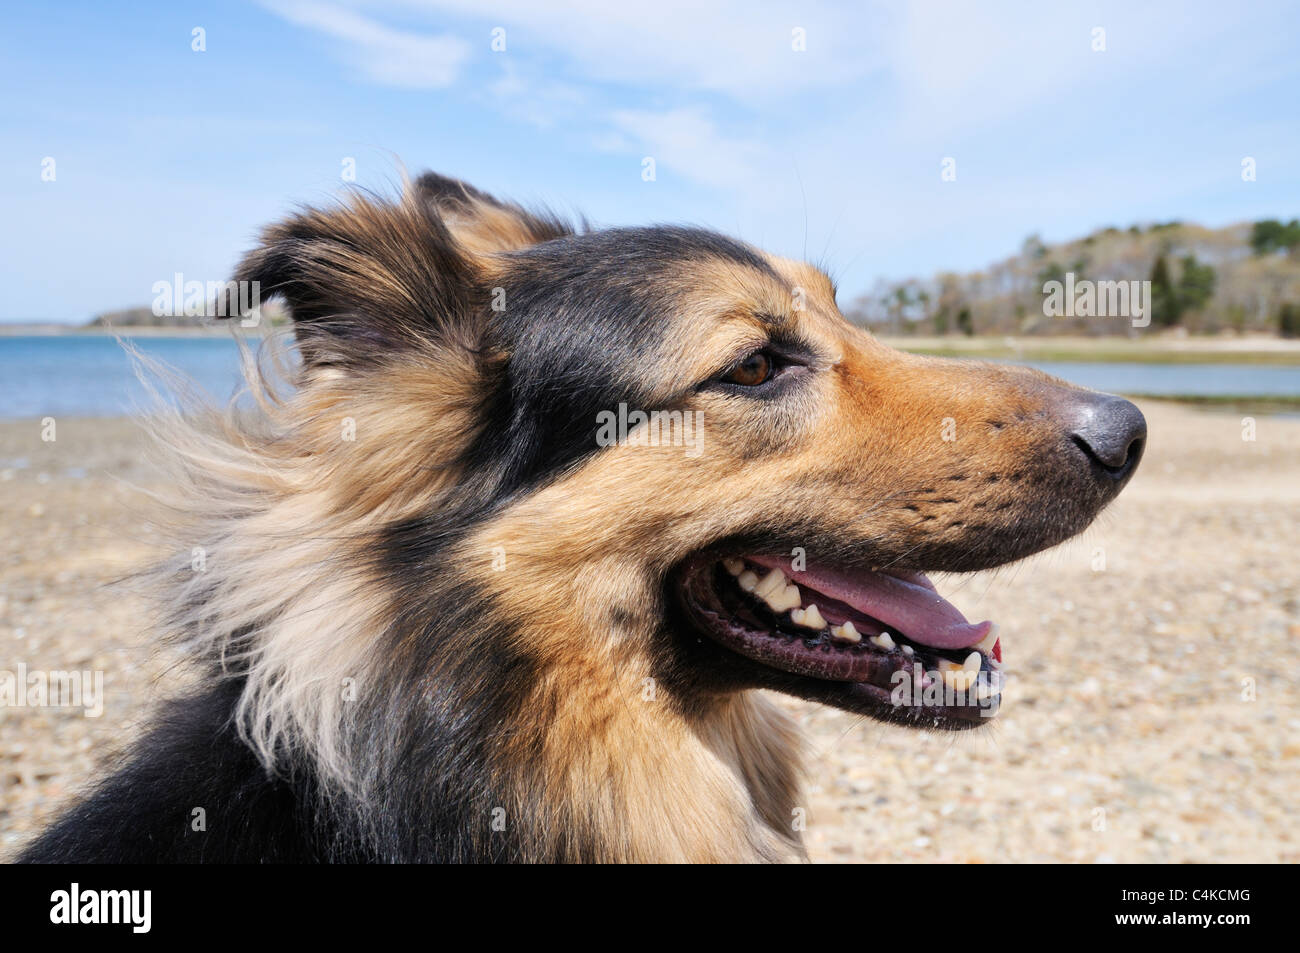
x=1110, y=430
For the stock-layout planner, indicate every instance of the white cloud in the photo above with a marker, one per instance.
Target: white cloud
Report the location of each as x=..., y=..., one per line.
x=382, y=54
x=687, y=141
x=955, y=68
x=538, y=101
x=739, y=49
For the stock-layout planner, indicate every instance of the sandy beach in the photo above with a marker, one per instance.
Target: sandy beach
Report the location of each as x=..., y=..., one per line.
x=1151, y=714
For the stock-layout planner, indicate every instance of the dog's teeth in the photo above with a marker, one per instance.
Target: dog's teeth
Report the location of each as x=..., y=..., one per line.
x=772, y=582
x=748, y=580
x=734, y=566
x=782, y=599
x=986, y=644
x=908, y=650
x=774, y=590
x=958, y=680
x=884, y=640
x=973, y=662
x=955, y=676
x=810, y=618
x=846, y=632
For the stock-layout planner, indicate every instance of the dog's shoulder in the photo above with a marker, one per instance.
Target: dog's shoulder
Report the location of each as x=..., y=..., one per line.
x=191, y=791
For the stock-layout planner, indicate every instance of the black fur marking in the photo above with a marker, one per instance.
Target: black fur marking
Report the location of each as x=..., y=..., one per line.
x=582, y=314
x=193, y=759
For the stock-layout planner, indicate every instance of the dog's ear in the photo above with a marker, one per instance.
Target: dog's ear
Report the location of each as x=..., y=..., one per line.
x=366, y=278
x=482, y=224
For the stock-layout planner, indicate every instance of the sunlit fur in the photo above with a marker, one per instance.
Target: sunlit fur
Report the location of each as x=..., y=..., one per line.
x=450, y=638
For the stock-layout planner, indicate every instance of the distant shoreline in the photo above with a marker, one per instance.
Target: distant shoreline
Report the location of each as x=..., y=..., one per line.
x=219, y=328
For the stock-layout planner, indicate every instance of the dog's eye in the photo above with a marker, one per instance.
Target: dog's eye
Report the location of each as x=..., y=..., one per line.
x=756, y=369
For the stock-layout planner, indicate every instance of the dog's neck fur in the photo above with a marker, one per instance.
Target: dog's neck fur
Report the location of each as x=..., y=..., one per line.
x=634, y=779
x=568, y=766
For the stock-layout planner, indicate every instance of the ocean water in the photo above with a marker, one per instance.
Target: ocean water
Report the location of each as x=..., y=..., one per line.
x=92, y=376
x=1249, y=380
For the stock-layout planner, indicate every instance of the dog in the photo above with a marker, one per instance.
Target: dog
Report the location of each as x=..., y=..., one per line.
x=501, y=577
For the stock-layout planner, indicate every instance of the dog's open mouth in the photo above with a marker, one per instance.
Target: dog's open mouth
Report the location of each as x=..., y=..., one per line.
x=892, y=644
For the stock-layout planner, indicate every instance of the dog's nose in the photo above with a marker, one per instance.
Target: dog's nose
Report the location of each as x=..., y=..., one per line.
x=1110, y=430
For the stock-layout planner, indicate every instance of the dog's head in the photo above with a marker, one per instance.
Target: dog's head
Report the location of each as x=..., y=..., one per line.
x=660, y=456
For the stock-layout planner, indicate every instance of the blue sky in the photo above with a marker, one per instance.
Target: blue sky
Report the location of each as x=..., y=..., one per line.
x=168, y=160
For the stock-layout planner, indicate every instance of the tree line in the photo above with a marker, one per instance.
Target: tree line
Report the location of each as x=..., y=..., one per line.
x=1242, y=278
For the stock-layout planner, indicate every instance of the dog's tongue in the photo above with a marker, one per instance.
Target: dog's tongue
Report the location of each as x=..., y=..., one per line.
x=907, y=601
